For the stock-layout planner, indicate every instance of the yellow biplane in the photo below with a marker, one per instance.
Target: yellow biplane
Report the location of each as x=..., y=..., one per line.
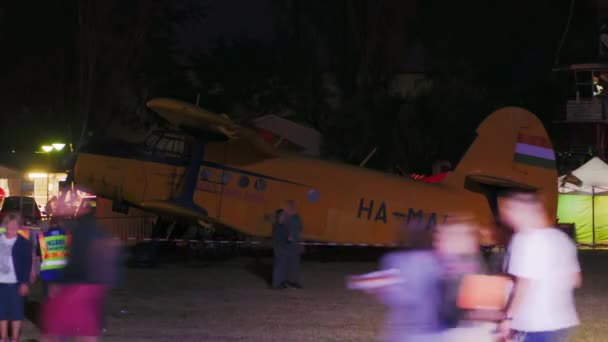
x=213, y=170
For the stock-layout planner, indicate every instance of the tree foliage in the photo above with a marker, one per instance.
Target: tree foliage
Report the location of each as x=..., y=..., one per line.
x=332, y=63
x=85, y=65
x=91, y=65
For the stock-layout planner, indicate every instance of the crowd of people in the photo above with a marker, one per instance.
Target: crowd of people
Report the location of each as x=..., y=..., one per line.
x=76, y=263
x=444, y=291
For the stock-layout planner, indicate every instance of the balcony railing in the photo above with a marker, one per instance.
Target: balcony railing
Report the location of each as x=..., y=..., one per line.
x=586, y=110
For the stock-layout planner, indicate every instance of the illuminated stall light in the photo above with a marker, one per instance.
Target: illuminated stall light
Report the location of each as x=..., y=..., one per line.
x=58, y=146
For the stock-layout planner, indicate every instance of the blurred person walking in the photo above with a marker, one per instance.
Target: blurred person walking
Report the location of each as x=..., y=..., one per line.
x=544, y=262
x=293, y=223
x=413, y=298
x=74, y=308
x=15, y=273
x=279, y=244
x=457, y=246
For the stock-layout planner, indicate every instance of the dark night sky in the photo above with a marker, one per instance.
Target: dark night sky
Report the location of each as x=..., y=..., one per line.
x=229, y=20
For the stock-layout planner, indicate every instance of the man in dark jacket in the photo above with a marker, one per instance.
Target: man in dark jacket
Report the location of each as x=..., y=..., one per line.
x=279, y=244
x=293, y=223
x=15, y=270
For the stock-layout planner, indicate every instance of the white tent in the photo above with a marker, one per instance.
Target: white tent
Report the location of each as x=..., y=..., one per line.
x=583, y=200
x=593, y=176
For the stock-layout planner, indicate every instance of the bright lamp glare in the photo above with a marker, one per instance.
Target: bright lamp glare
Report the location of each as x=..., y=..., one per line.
x=59, y=147
x=33, y=175
x=47, y=148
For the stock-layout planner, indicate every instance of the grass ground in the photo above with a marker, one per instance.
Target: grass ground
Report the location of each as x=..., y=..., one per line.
x=230, y=301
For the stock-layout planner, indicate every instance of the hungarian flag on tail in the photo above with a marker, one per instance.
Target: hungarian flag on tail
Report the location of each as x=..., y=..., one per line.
x=534, y=151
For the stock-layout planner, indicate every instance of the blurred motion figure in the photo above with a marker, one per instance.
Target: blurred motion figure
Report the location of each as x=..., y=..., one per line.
x=544, y=262
x=414, y=300
x=75, y=307
x=457, y=246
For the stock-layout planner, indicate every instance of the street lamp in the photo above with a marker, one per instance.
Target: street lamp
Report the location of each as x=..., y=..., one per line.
x=51, y=147
x=58, y=146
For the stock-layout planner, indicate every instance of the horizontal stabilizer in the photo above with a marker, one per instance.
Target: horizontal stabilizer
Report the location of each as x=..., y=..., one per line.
x=500, y=182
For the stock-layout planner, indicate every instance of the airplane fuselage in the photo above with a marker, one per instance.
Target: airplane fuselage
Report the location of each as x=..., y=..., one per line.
x=337, y=202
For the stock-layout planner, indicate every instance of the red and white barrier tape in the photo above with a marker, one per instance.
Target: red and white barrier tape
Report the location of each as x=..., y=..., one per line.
x=333, y=244
x=242, y=242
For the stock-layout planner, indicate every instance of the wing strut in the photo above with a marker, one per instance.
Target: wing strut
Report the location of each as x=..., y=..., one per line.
x=186, y=195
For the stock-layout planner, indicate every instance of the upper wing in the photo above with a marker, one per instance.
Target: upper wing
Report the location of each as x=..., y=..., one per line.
x=188, y=116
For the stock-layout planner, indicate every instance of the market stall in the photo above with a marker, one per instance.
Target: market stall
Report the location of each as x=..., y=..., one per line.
x=583, y=200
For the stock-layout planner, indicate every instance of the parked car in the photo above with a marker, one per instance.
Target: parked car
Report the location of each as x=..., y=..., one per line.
x=26, y=206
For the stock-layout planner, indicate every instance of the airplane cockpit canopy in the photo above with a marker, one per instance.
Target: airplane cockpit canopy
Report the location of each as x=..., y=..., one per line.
x=167, y=145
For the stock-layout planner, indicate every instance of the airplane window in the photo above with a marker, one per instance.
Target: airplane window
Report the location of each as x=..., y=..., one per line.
x=260, y=185
x=313, y=196
x=150, y=141
x=206, y=174
x=170, y=146
x=243, y=181
x=161, y=146
x=226, y=178
x=178, y=147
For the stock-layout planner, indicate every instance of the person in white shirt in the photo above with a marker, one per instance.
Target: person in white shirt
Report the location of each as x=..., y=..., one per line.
x=544, y=262
x=15, y=271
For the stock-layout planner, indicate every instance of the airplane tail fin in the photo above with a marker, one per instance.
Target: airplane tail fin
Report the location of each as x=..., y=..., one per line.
x=512, y=150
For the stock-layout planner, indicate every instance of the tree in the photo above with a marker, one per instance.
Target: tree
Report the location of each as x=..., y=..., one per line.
x=126, y=54
x=359, y=45
x=86, y=65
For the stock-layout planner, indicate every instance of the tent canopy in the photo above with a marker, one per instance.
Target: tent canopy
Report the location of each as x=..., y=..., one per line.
x=583, y=200
x=594, y=178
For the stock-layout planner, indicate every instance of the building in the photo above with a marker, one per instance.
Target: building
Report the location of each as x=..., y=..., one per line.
x=10, y=181
x=583, y=113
